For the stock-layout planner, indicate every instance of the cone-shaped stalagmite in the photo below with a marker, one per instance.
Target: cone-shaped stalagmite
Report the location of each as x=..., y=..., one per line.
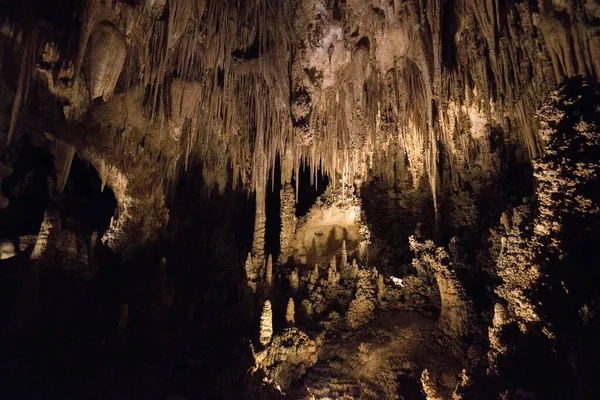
x=290, y=312
x=294, y=280
x=333, y=276
x=45, y=246
x=251, y=273
x=266, y=324
x=354, y=269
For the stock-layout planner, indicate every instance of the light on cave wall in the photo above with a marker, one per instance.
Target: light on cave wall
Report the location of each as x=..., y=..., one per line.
x=335, y=219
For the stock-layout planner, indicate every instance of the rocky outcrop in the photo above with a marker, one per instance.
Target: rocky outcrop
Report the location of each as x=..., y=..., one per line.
x=544, y=262
x=362, y=308
x=456, y=308
x=287, y=358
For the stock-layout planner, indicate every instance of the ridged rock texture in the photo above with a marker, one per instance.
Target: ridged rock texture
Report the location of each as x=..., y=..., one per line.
x=418, y=82
x=412, y=184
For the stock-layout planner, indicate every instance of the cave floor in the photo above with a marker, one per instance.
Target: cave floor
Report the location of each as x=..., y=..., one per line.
x=388, y=355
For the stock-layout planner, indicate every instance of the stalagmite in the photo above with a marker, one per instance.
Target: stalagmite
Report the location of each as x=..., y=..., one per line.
x=294, y=280
x=260, y=219
x=251, y=274
x=333, y=276
x=45, y=246
x=354, y=269
x=440, y=114
x=108, y=50
x=288, y=222
x=380, y=288
x=266, y=324
x=497, y=347
x=456, y=312
x=307, y=308
x=314, y=275
x=429, y=386
x=344, y=255
x=269, y=272
x=362, y=307
x=289, y=312
x=92, y=246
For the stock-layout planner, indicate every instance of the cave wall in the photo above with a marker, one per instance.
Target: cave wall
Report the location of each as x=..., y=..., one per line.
x=451, y=118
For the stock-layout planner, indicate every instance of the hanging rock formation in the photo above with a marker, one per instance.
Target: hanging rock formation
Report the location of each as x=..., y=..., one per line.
x=106, y=59
x=330, y=129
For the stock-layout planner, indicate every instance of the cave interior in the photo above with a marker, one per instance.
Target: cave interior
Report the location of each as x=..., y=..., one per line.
x=304, y=199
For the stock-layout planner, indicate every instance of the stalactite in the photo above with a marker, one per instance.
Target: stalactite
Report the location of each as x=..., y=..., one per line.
x=63, y=154
x=108, y=50
x=180, y=12
x=88, y=21
x=103, y=175
x=32, y=44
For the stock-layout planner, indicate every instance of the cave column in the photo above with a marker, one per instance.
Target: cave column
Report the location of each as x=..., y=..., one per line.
x=260, y=219
x=287, y=209
x=288, y=222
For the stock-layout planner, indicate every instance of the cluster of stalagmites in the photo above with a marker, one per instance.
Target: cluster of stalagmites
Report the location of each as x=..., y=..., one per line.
x=376, y=88
x=321, y=292
x=362, y=289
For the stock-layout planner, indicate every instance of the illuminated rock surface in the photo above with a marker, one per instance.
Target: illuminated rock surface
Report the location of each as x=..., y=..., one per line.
x=303, y=199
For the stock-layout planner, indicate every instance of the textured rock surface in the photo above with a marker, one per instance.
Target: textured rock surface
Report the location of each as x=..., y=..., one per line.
x=452, y=254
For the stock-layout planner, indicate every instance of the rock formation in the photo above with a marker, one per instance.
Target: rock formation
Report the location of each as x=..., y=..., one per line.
x=455, y=305
x=439, y=161
x=266, y=324
x=362, y=308
x=290, y=312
